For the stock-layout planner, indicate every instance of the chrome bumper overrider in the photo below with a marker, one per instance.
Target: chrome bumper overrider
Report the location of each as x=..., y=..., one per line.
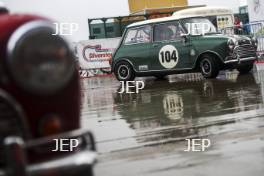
x=77, y=162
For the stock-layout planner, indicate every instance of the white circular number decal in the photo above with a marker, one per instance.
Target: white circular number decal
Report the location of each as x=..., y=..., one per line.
x=168, y=56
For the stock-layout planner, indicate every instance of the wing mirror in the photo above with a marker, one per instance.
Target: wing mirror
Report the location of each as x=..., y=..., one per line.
x=184, y=37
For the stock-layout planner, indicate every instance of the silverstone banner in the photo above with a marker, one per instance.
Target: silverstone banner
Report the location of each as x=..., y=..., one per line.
x=94, y=56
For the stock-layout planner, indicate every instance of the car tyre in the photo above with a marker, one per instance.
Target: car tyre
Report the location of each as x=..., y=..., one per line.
x=124, y=71
x=209, y=66
x=245, y=69
x=160, y=77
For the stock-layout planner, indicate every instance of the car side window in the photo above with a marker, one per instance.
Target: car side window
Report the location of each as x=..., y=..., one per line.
x=138, y=35
x=167, y=31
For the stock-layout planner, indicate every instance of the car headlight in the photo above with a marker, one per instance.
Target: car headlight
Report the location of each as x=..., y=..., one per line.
x=38, y=61
x=254, y=41
x=231, y=44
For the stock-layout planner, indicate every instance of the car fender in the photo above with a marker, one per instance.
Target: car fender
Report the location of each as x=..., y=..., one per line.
x=209, y=52
x=120, y=60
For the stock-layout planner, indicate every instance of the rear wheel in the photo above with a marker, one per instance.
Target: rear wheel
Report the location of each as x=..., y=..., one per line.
x=209, y=66
x=245, y=68
x=124, y=71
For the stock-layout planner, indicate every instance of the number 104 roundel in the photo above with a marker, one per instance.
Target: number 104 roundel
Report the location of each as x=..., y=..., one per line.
x=168, y=56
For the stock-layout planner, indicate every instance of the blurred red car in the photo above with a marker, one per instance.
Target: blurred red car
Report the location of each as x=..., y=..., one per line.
x=39, y=102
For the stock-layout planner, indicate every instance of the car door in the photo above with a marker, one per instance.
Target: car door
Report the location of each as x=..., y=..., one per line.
x=136, y=47
x=169, y=50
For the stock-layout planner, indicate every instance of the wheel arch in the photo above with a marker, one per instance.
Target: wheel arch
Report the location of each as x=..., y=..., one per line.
x=212, y=53
x=123, y=60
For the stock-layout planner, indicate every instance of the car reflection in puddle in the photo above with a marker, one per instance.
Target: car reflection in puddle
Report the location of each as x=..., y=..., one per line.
x=183, y=106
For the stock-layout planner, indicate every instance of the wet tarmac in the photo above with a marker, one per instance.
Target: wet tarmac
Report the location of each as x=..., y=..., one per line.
x=144, y=133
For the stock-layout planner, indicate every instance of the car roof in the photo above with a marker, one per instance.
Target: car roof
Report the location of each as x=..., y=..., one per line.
x=156, y=20
x=186, y=13
x=204, y=11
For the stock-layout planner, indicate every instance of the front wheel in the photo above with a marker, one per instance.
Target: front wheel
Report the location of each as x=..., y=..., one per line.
x=209, y=66
x=124, y=72
x=245, y=69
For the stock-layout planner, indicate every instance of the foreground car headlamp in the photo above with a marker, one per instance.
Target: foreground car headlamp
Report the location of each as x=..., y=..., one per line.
x=231, y=44
x=38, y=61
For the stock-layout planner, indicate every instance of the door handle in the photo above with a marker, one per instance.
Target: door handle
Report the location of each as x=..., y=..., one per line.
x=155, y=45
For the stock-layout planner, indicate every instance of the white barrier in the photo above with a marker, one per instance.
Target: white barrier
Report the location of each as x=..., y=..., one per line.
x=255, y=10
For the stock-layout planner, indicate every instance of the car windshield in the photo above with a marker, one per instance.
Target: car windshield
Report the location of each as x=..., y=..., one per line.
x=199, y=26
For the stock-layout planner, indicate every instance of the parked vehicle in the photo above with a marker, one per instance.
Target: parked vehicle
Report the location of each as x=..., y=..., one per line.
x=221, y=17
x=172, y=45
x=39, y=102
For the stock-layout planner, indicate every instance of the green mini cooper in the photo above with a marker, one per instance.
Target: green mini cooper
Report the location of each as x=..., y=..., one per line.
x=173, y=45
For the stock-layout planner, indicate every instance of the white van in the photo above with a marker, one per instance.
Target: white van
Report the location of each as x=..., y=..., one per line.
x=221, y=17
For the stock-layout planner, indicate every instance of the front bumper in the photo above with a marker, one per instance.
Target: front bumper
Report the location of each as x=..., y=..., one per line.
x=240, y=60
x=242, y=53
x=79, y=162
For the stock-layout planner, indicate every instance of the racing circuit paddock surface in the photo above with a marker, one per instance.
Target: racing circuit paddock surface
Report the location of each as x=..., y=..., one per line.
x=144, y=133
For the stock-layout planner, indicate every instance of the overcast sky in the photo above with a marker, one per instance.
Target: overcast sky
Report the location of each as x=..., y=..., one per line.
x=78, y=11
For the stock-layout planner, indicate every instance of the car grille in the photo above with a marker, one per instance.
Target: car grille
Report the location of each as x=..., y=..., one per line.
x=10, y=122
x=245, y=51
x=244, y=42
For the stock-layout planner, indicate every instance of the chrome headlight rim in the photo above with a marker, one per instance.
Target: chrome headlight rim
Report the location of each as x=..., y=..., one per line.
x=254, y=42
x=16, y=41
x=231, y=43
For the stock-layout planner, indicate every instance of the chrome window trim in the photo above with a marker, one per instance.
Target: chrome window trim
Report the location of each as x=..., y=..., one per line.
x=22, y=30
x=178, y=39
x=135, y=28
